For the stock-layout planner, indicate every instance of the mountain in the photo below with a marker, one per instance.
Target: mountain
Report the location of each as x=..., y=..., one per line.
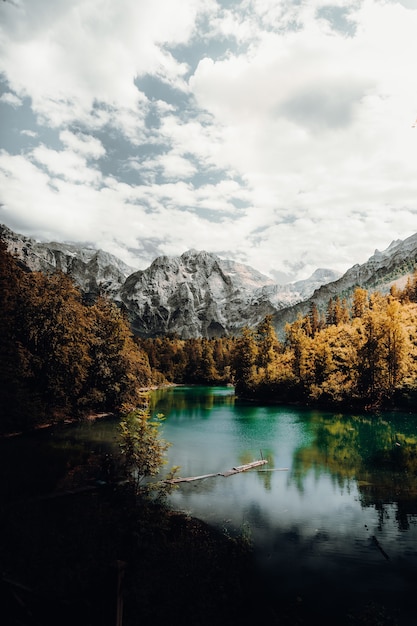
x=94, y=271
x=283, y=296
x=195, y=294
x=199, y=294
x=379, y=273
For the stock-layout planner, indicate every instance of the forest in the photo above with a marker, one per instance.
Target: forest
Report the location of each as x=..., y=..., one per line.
x=360, y=353
x=67, y=356
x=61, y=357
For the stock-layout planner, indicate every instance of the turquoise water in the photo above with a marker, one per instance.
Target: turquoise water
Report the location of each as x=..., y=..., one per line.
x=336, y=508
x=332, y=520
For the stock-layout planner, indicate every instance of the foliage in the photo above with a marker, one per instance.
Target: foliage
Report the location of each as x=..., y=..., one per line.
x=60, y=356
x=192, y=361
x=63, y=357
x=143, y=450
x=363, y=356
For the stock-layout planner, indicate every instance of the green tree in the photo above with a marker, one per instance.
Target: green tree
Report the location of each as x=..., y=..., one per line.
x=143, y=450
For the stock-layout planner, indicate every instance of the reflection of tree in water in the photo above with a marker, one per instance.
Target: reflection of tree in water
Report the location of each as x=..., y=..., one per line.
x=178, y=400
x=371, y=451
x=334, y=450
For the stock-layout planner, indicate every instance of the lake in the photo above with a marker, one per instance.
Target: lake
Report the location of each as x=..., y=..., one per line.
x=334, y=509
x=332, y=516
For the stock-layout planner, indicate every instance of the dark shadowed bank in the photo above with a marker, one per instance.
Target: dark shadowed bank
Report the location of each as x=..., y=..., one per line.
x=88, y=557
x=67, y=559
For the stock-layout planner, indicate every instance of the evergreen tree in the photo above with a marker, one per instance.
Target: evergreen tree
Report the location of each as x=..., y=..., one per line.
x=244, y=361
x=267, y=343
x=17, y=408
x=207, y=370
x=314, y=319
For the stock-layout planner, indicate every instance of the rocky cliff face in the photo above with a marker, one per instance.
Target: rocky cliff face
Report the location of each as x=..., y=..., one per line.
x=196, y=294
x=283, y=296
x=94, y=271
x=199, y=294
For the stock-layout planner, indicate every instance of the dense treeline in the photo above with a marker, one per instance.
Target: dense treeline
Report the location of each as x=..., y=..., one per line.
x=191, y=361
x=61, y=357
x=362, y=353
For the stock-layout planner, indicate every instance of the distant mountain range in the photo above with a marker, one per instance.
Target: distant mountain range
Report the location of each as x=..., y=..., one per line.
x=198, y=294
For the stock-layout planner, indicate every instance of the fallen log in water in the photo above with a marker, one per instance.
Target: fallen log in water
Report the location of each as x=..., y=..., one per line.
x=244, y=468
x=235, y=470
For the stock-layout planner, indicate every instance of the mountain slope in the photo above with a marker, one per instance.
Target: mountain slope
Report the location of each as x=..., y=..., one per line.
x=196, y=294
x=199, y=294
x=379, y=273
x=94, y=271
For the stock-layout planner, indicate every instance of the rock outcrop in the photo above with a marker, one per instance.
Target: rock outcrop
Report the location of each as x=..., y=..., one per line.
x=194, y=295
x=94, y=271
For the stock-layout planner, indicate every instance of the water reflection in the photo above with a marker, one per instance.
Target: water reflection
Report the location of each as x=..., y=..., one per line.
x=176, y=400
x=379, y=455
x=350, y=489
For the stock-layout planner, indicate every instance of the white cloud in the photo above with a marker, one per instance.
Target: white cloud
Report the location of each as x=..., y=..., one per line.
x=67, y=56
x=291, y=145
x=172, y=166
x=66, y=164
x=85, y=145
x=11, y=98
x=29, y=133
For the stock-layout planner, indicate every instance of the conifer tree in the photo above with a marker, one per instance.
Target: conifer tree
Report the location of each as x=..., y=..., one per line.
x=267, y=343
x=244, y=361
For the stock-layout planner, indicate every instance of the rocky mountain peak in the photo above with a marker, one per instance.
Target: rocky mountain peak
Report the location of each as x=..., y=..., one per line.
x=200, y=294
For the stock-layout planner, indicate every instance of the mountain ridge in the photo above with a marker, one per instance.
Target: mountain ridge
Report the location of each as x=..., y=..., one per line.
x=379, y=273
x=198, y=293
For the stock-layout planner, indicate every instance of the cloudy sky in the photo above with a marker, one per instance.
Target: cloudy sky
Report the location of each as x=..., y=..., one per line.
x=274, y=132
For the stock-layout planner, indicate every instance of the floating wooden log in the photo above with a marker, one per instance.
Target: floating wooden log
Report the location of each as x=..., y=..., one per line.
x=235, y=470
x=244, y=468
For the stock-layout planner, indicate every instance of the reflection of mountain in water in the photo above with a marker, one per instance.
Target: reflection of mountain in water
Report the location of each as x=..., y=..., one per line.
x=379, y=455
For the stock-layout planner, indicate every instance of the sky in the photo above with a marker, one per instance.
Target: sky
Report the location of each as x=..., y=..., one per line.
x=277, y=133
